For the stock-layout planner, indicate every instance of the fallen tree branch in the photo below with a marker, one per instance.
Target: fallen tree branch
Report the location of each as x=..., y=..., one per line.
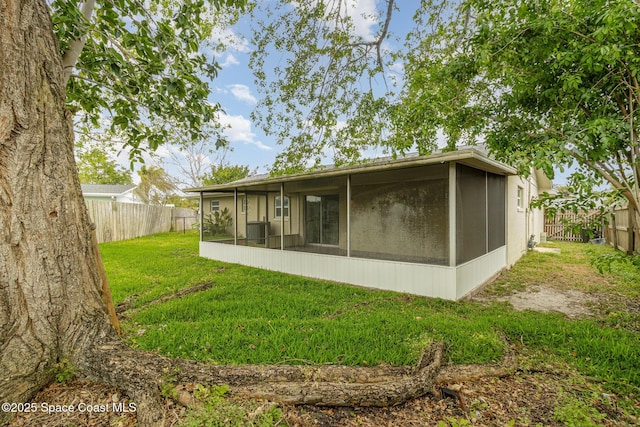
x=469, y=373
x=326, y=389
x=125, y=306
x=142, y=375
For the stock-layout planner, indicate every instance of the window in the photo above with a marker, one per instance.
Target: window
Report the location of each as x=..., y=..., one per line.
x=215, y=205
x=520, y=197
x=280, y=208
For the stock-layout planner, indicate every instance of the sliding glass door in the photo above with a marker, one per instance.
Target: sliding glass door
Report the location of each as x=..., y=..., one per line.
x=322, y=219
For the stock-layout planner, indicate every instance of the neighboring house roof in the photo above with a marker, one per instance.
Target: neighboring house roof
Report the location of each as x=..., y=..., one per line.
x=470, y=156
x=106, y=190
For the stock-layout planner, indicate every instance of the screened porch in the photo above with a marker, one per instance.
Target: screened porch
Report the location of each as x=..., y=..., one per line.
x=441, y=215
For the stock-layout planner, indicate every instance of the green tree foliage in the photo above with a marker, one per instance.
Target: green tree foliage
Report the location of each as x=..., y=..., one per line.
x=323, y=94
x=156, y=186
x=541, y=83
x=96, y=167
x=141, y=65
x=221, y=174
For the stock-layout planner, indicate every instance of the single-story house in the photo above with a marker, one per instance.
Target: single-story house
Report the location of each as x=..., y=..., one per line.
x=110, y=193
x=439, y=225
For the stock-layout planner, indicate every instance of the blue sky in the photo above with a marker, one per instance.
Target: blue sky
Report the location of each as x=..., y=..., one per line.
x=235, y=90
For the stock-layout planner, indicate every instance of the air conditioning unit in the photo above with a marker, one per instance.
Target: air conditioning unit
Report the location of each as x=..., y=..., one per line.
x=257, y=232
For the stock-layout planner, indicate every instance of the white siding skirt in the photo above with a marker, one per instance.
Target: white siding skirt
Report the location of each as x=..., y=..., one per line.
x=450, y=283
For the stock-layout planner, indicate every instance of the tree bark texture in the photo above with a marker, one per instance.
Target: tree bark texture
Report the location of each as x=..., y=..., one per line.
x=314, y=385
x=52, y=300
x=50, y=286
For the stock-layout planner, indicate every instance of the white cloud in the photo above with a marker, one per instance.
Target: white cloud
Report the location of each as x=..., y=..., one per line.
x=364, y=15
x=164, y=151
x=238, y=129
x=220, y=90
x=232, y=41
x=243, y=93
x=229, y=60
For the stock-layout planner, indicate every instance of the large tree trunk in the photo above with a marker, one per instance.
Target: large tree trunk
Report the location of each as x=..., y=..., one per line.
x=52, y=303
x=50, y=285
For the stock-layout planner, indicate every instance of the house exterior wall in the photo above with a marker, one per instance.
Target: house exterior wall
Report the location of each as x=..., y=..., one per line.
x=522, y=220
x=121, y=198
x=517, y=225
x=110, y=193
x=439, y=229
x=259, y=208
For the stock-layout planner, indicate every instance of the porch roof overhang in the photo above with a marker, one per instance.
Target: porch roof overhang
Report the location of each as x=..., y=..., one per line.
x=470, y=156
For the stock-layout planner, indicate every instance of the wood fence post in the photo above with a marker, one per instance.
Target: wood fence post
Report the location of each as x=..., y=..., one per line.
x=630, y=236
x=614, y=228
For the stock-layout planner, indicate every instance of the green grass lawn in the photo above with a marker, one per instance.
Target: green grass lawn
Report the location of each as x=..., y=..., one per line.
x=256, y=316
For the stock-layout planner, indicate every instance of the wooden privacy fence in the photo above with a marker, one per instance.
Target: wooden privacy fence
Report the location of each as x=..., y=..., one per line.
x=119, y=221
x=620, y=230
x=183, y=219
x=558, y=227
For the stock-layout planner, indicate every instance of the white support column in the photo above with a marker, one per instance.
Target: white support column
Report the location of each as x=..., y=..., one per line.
x=266, y=220
x=452, y=214
x=201, y=216
x=246, y=217
x=348, y=215
x=282, y=216
x=235, y=216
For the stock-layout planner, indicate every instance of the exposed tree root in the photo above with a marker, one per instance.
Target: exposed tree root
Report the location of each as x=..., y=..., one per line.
x=380, y=386
x=469, y=373
x=141, y=375
x=125, y=306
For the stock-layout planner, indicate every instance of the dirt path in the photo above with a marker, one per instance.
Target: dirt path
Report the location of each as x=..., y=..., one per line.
x=572, y=303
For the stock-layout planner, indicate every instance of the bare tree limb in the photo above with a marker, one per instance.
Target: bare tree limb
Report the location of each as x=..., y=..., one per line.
x=70, y=57
x=377, y=43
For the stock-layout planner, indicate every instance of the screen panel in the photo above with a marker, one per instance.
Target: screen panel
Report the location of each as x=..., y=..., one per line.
x=401, y=215
x=471, y=213
x=496, y=211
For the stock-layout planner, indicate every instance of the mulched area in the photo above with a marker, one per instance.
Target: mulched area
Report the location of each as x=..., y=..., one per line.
x=93, y=405
x=523, y=399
